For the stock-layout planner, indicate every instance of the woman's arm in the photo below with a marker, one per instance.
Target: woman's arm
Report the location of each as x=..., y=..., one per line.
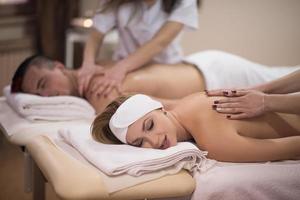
x=285, y=103
x=91, y=48
x=115, y=75
x=287, y=84
x=159, y=42
x=253, y=103
x=273, y=96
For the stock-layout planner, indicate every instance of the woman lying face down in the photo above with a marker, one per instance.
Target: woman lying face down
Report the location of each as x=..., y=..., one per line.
x=141, y=121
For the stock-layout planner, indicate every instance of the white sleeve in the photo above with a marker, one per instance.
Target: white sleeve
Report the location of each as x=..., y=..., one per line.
x=104, y=21
x=186, y=13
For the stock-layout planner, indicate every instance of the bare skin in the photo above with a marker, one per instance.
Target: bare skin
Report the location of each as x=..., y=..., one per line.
x=162, y=81
x=271, y=137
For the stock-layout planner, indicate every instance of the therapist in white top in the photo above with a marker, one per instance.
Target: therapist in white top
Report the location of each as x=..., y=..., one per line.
x=149, y=32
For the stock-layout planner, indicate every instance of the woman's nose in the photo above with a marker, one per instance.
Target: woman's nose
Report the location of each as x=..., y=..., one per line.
x=152, y=141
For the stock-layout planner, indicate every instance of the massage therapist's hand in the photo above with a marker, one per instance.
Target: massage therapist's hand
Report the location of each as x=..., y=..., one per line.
x=112, y=78
x=224, y=92
x=241, y=104
x=100, y=102
x=85, y=74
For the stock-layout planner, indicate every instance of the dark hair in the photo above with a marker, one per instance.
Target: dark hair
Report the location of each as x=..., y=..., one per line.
x=168, y=5
x=36, y=60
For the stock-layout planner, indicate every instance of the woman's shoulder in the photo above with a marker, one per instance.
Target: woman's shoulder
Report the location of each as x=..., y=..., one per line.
x=197, y=103
x=199, y=97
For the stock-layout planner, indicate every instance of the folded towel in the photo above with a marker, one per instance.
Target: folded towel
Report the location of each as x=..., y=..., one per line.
x=135, y=161
x=57, y=108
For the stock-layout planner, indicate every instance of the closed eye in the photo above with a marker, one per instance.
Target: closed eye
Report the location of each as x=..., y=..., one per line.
x=141, y=142
x=43, y=85
x=138, y=142
x=150, y=125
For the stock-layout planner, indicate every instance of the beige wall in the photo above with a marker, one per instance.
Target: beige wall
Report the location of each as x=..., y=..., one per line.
x=265, y=31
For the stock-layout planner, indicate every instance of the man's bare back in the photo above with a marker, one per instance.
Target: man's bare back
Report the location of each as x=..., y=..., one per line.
x=163, y=81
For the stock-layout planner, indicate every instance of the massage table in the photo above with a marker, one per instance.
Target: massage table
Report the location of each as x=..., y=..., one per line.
x=66, y=171
x=72, y=177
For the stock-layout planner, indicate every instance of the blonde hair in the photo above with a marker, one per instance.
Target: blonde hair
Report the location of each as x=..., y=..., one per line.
x=100, y=127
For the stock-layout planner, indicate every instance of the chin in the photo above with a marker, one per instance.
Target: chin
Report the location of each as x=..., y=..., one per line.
x=173, y=143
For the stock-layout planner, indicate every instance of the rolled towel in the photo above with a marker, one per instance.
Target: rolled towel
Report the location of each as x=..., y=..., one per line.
x=56, y=108
x=135, y=161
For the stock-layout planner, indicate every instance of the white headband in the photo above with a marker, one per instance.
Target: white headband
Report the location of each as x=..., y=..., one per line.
x=130, y=111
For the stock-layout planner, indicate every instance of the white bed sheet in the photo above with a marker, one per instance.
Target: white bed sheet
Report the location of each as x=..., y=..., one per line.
x=250, y=181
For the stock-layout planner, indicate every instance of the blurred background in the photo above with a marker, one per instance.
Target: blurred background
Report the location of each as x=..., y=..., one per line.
x=265, y=31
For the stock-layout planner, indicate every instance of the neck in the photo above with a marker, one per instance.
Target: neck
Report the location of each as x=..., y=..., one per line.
x=181, y=133
x=73, y=78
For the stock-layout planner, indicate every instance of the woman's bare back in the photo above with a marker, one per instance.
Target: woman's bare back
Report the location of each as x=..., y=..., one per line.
x=224, y=138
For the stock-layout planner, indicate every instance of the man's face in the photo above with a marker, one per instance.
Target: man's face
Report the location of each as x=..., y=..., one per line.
x=46, y=82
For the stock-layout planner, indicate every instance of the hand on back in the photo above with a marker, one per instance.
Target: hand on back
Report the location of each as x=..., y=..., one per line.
x=239, y=104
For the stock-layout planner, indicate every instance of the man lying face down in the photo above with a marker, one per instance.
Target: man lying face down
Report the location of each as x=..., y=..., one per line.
x=204, y=70
x=42, y=76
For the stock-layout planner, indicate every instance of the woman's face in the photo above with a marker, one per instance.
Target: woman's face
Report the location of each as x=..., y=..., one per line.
x=154, y=130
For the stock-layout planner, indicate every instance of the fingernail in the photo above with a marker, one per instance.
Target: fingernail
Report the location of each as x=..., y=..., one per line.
x=205, y=92
x=216, y=102
x=214, y=107
x=233, y=91
x=225, y=93
x=228, y=116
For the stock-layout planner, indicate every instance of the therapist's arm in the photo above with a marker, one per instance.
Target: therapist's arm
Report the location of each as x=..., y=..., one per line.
x=285, y=103
x=89, y=65
x=280, y=95
x=158, y=43
x=253, y=103
x=91, y=49
x=143, y=55
x=286, y=84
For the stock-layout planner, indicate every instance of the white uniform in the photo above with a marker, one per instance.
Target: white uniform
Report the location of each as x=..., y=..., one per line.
x=223, y=70
x=137, y=23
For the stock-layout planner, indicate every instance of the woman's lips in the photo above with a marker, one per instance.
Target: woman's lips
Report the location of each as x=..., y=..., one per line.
x=165, y=144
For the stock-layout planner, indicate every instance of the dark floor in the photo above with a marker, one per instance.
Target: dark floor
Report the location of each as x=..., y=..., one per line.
x=11, y=173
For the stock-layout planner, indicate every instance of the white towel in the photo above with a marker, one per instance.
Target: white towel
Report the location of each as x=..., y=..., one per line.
x=225, y=70
x=58, y=108
x=135, y=161
x=248, y=181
